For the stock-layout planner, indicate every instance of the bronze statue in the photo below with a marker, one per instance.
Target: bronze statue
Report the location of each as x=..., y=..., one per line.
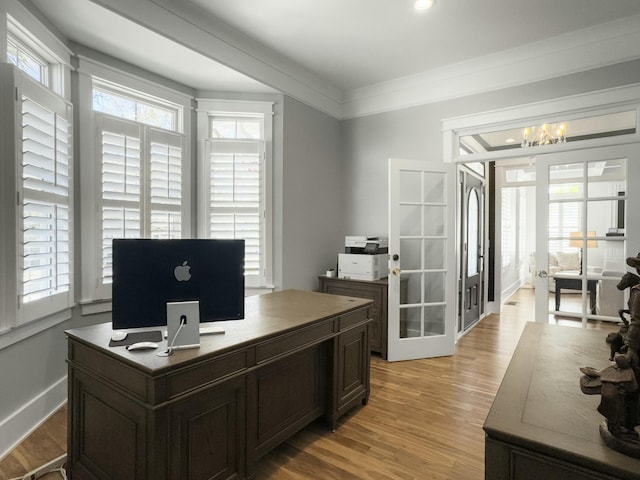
x=618, y=384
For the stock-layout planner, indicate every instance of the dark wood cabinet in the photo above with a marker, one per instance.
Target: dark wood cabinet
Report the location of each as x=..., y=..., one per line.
x=373, y=290
x=212, y=412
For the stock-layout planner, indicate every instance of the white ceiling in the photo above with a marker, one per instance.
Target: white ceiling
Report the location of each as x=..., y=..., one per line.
x=356, y=43
x=354, y=57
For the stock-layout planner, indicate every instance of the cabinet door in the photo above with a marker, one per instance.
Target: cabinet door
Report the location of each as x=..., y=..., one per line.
x=108, y=437
x=352, y=382
x=207, y=434
x=284, y=397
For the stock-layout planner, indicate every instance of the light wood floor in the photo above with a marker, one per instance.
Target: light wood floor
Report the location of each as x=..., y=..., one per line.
x=423, y=421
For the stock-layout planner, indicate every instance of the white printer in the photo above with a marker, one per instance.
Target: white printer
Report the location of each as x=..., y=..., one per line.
x=366, y=258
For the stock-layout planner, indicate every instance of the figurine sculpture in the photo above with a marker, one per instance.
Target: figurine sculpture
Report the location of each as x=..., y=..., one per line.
x=618, y=384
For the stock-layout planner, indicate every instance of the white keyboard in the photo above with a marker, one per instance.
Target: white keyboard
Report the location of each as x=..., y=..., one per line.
x=205, y=331
x=211, y=330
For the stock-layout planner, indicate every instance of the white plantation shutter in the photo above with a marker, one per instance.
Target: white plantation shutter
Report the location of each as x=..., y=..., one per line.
x=166, y=184
x=121, y=186
x=236, y=190
x=564, y=218
x=45, y=237
x=141, y=184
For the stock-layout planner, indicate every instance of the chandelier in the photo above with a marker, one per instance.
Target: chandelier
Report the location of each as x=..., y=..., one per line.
x=544, y=135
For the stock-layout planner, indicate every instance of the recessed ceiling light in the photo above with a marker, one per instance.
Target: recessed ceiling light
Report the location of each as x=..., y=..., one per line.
x=510, y=140
x=423, y=4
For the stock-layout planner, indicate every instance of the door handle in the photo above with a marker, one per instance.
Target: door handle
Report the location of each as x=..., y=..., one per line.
x=543, y=274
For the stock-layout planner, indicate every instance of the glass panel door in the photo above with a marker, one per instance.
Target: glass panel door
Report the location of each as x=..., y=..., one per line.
x=422, y=280
x=580, y=257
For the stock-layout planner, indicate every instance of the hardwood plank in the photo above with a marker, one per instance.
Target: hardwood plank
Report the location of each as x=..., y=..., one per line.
x=423, y=420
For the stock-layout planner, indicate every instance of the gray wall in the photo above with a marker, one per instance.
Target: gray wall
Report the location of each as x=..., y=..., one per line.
x=415, y=133
x=311, y=201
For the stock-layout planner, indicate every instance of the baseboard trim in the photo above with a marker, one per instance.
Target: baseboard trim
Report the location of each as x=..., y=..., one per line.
x=21, y=423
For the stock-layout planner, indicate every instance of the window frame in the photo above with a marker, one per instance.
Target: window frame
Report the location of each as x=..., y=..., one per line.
x=206, y=109
x=31, y=35
x=94, y=296
x=21, y=25
x=17, y=313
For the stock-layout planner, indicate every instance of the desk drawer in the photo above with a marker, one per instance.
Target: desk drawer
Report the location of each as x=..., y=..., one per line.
x=300, y=338
x=205, y=373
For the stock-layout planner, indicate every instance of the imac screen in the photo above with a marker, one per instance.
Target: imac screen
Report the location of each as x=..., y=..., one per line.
x=149, y=273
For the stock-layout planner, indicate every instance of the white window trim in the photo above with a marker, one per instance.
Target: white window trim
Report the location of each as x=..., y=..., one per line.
x=90, y=292
x=23, y=26
x=207, y=107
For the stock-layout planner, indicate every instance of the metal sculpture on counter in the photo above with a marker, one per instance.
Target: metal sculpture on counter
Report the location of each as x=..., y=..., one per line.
x=618, y=384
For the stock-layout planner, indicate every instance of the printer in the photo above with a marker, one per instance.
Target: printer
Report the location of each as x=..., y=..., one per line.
x=366, y=245
x=365, y=258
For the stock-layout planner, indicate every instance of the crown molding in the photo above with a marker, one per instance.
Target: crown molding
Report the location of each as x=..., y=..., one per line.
x=599, y=46
x=586, y=49
x=182, y=23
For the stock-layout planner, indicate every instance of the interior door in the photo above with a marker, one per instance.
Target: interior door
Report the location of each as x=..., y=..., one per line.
x=472, y=249
x=422, y=248
x=580, y=256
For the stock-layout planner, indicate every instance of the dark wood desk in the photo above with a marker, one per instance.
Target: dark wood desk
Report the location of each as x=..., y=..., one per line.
x=210, y=413
x=541, y=425
x=575, y=283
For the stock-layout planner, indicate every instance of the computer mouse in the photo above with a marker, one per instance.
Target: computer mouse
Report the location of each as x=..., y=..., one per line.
x=142, y=346
x=118, y=335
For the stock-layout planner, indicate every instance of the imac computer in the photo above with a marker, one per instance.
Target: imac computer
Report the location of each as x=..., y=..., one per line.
x=148, y=274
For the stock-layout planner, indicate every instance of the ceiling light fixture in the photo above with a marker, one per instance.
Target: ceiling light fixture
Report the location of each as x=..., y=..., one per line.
x=423, y=4
x=544, y=135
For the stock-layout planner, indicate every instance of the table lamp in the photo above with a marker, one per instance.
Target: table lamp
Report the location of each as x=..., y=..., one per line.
x=577, y=240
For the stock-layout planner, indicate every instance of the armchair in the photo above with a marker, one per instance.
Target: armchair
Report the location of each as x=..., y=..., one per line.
x=558, y=262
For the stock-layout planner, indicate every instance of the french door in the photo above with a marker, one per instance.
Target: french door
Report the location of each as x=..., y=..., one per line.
x=584, y=231
x=422, y=248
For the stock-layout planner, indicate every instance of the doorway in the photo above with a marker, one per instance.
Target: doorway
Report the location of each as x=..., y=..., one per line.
x=472, y=248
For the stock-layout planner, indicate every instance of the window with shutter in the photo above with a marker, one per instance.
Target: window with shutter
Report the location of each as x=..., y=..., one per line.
x=235, y=180
x=564, y=218
x=141, y=174
x=41, y=257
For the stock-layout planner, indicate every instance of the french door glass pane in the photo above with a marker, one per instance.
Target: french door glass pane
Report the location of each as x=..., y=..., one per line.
x=434, y=253
x=411, y=258
x=410, y=187
x=410, y=220
x=434, y=220
x=434, y=187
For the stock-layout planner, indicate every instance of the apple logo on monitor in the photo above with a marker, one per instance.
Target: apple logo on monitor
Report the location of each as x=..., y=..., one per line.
x=182, y=272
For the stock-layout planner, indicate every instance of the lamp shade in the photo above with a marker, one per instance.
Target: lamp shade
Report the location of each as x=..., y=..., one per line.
x=577, y=239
